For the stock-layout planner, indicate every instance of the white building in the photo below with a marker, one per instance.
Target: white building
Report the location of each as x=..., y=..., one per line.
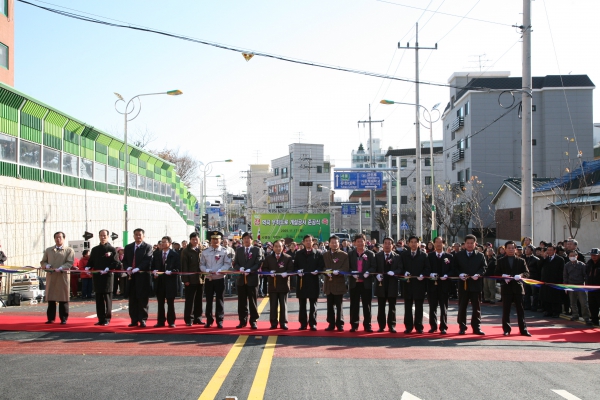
x=256, y=187
x=287, y=190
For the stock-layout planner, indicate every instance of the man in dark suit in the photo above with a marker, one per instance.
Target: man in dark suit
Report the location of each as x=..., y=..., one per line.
x=439, y=287
x=512, y=290
x=552, y=272
x=308, y=262
x=137, y=261
x=470, y=266
x=102, y=259
x=416, y=264
x=387, y=265
x=362, y=265
x=166, y=261
x=248, y=259
x=279, y=285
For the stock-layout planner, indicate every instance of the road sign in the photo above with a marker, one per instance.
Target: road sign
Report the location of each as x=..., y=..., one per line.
x=348, y=209
x=404, y=225
x=358, y=180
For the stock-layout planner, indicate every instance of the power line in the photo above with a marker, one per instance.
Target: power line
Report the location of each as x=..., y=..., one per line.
x=237, y=49
x=443, y=13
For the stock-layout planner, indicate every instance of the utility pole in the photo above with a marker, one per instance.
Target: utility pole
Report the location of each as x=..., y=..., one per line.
x=526, y=128
x=372, y=165
x=419, y=200
x=308, y=158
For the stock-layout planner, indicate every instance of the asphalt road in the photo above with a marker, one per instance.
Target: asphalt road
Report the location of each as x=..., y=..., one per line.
x=53, y=365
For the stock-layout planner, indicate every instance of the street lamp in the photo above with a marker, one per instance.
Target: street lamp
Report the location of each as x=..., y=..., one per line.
x=206, y=170
x=419, y=192
x=126, y=112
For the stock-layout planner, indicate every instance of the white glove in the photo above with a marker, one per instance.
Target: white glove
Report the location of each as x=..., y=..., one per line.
x=314, y=272
x=218, y=271
x=104, y=271
x=133, y=271
x=48, y=266
x=155, y=272
x=407, y=273
x=355, y=276
x=433, y=275
x=390, y=273
x=284, y=275
x=475, y=277
x=505, y=276
x=246, y=271
x=207, y=271
x=444, y=277
x=517, y=278
x=242, y=269
x=366, y=275
x=420, y=277
x=300, y=274
x=273, y=274
x=87, y=268
x=379, y=277
x=128, y=269
x=336, y=272
x=59, y=269
x=168, y=272
x=463, y=277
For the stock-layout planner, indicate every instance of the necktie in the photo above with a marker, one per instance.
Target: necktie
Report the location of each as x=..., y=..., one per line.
x=164, y=257
x=439, y=255
x=469, y=254
x=414, y=253
x=134, y=250
x=247, y=252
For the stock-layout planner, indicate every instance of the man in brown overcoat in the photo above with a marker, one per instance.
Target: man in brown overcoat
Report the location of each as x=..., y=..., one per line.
x=335, y=283
x=59, y=259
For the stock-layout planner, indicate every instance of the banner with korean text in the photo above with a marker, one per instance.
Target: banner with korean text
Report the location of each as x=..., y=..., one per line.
x=270, y=227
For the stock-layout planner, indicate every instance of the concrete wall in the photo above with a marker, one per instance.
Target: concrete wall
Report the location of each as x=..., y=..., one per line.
x=30, y=212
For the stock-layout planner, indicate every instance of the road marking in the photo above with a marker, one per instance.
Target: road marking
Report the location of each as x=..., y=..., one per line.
x=212, y=388
x=262, y=305
x=95, y=315
x=257, y=391
x=565, y=394
x=408, y=396
x=214, y=385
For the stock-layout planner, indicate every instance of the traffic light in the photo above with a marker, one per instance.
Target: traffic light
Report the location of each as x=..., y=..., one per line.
x=205, y=220
x=87, y=236
x=114, y=236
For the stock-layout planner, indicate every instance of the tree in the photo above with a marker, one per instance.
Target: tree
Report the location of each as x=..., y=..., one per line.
x=570, y=193
x=143, y=137
x=186, y=166
x=481, y=217
x=382, y=219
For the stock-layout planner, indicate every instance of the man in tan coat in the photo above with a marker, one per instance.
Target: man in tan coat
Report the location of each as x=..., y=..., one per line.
x=335, y=283
x=58, y=261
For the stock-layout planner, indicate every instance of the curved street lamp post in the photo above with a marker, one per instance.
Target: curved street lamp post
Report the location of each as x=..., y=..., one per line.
x=130, y=108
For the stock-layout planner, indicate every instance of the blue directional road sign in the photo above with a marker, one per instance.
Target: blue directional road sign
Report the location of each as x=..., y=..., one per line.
x=348, y=209
x=404, y=225
x=358, y=180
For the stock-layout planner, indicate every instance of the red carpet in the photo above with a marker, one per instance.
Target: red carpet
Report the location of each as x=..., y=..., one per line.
x=119, y=325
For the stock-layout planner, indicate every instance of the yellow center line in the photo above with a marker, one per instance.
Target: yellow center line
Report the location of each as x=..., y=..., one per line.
x=262, y=305
x=257, y=391
x=212, y=388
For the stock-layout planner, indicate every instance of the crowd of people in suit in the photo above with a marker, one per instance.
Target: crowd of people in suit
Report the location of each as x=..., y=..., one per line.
x=361, y=270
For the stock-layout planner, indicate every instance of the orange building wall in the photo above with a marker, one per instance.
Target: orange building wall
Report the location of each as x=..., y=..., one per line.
x=7, y=37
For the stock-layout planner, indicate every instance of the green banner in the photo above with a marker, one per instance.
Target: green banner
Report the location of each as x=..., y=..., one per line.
x=270, y=227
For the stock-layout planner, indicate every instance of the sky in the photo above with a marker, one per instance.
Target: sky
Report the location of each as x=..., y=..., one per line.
x=249, y=111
